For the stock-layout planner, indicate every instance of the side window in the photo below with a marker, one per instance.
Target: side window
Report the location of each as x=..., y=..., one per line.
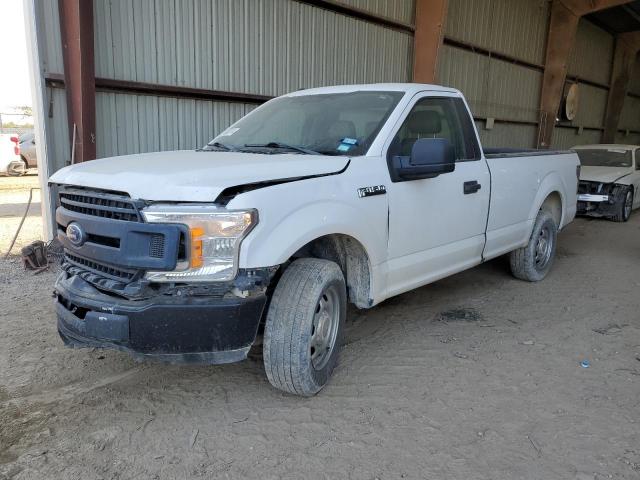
x=437, y=117
x=637, y=155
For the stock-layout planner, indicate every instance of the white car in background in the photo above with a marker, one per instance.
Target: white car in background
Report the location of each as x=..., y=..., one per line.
x=10, y=161
x=609, y=180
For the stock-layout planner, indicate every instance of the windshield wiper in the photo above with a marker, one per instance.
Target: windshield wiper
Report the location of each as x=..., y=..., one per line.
x=283, y=146
x=222, y=146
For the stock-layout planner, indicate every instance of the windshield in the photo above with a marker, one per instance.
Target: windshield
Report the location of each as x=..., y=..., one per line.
x=328, y=124
x=605, y=158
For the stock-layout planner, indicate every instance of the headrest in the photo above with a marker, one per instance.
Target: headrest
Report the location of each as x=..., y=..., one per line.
x=342, y=129
x=424, y=122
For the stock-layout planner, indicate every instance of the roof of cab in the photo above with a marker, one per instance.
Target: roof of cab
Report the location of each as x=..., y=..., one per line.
x=411, y=88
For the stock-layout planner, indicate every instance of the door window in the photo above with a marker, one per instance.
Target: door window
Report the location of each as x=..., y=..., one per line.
x=437, y=117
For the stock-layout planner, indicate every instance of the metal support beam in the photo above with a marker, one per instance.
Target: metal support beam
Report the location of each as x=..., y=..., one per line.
x=76, y=29
x=626, y=53
x=565, y=15
x=584, y=7
x=429, y=32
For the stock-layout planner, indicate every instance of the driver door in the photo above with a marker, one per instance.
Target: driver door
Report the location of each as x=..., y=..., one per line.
x=436, y=225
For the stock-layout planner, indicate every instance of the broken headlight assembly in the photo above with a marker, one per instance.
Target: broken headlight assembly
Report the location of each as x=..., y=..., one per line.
x=212, y=244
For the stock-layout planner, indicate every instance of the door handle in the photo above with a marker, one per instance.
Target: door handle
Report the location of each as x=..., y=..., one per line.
x=471, y=187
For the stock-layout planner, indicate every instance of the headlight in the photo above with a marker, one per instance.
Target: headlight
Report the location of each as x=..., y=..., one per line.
x=213, y=244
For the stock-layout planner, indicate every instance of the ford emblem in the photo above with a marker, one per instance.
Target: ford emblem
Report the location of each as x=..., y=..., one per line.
x=76, y=234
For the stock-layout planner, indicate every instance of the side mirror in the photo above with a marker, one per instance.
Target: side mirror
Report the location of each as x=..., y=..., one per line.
x=429, y=158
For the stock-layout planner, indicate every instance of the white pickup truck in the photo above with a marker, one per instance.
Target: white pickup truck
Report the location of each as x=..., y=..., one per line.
x=353, y=193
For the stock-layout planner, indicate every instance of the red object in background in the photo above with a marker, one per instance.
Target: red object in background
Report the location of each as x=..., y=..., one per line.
x=16, y=148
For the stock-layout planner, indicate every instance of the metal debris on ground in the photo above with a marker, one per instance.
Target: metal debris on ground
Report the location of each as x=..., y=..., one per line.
x=459, y=314
x=38, y=255
x=610, y=329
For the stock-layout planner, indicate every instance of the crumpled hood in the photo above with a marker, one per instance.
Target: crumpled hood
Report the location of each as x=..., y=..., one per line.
x=190, y=176
x=603, y=174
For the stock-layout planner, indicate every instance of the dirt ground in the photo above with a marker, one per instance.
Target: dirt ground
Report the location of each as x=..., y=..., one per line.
x=474, y=377
x=14, y=197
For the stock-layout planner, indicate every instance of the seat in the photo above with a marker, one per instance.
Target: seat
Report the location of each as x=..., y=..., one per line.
x=420, y=124
x=342, y=129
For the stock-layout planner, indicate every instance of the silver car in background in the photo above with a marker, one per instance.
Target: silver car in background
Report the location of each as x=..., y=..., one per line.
x=27, y=144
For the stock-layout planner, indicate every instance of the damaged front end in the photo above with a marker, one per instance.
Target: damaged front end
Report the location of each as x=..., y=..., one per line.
x=597, y=199
x=106, y=296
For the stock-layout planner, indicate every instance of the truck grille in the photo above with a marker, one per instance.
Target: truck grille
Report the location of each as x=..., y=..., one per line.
x=100, y=204
x=105, y=270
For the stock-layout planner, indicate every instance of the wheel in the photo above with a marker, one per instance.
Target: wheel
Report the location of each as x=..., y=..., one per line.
x=625, y=206
x=304, y=326
x=533, y=262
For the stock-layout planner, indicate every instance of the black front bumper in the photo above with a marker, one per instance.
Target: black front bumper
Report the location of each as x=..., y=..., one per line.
x=598, y=209
x=171, y=328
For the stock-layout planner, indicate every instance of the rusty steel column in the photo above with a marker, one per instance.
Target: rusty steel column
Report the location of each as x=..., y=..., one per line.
x=430, y=19
x=562, y=33
x=627, y=48
x=76, y=29
x=565, y=15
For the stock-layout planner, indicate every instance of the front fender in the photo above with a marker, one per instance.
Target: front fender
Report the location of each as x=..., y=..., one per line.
x=275, y=241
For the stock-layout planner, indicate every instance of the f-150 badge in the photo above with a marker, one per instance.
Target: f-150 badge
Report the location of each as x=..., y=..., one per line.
x=371, y=191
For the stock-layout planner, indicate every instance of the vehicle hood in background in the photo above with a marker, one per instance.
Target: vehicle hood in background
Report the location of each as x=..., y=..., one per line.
x=603, y=174
x=190, y=176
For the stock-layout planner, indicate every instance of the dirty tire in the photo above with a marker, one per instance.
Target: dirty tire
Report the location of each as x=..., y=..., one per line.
x=527, y=262
x=291, y=321
x=624, y=206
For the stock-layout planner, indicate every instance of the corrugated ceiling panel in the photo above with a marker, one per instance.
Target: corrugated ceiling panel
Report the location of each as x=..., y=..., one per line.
x=592, y=53
x=564, y=138
x=507, y=135
x=494, y=88
x=513, y=27
x=128, y=124
x=400, y=10
x=630, y=119
x=591, y=107
x=49, y=22
x=256, y=46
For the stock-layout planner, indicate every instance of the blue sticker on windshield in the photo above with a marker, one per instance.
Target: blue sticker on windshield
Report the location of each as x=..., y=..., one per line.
x=343, y=147
x=350, y=141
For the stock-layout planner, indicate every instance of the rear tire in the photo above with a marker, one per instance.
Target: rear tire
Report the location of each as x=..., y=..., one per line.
x=303, y=331
x=533, y=262
x=625, y=206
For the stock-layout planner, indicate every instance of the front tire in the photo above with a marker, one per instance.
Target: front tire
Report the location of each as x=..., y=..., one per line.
x=304, y=326
x=533, y=262
x=625, y=207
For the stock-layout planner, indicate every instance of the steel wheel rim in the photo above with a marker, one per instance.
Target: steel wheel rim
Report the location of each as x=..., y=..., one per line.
x=544, y=246
x=628, y=201
x=324, y=328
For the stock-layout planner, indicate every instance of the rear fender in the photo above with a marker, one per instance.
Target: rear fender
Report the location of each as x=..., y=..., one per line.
x=551, y=183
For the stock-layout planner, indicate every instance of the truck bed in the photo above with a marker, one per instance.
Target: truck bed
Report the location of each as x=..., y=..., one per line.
x=497, y=152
